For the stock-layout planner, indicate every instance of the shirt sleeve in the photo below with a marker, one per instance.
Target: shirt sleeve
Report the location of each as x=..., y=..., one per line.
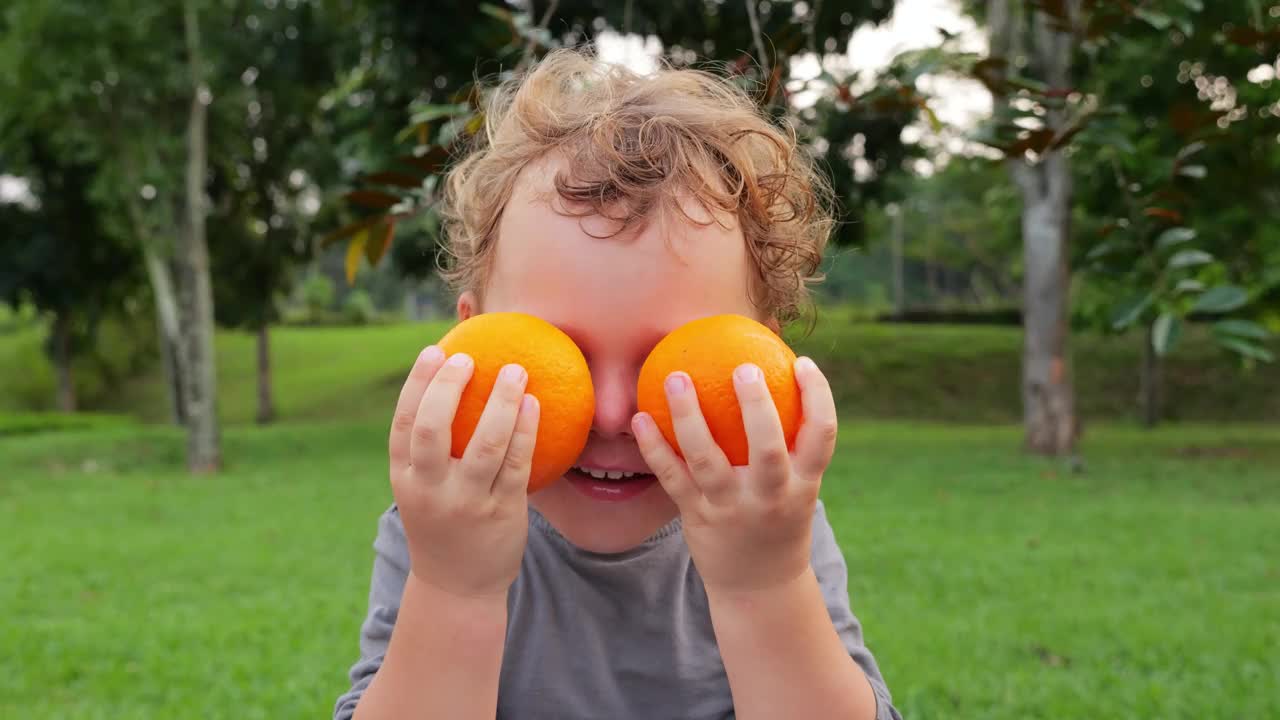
x=390, y=572
x=833, y=576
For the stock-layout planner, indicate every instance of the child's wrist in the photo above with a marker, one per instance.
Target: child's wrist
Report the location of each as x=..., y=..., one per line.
x=763, y=597
x=469, y=604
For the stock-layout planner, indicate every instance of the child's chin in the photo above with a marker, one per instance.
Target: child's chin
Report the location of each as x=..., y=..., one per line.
x=607, y=525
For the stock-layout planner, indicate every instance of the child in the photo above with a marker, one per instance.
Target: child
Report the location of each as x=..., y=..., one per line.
x=617, y=207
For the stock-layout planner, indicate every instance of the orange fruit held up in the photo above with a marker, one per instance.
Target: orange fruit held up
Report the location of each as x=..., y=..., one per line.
x=709, y=350
x=558, y=378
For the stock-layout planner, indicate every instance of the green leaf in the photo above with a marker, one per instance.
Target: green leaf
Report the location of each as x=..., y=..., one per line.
x=1191, y=149
x=1128, y=312
x=934, y=122
x=496, y=12
x=1175, y=236
x=1101, y=250
x=1246, y=348
x=1221, y=299
x=1164, y=334
x=428, y=113
x=1157, y=20
x=1031, y=85
x=1242, y=328
x=1194, y=5
x=1189, y=258
x=1188, y=285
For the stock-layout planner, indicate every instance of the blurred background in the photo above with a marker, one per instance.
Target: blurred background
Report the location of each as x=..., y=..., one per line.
x=1049, y=318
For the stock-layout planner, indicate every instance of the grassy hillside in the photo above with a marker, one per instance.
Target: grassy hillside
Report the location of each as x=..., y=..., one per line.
x=954, y=374
x=966, y=374
x=972, y=374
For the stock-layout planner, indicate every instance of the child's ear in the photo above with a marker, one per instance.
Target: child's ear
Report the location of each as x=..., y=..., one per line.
x=468, y=305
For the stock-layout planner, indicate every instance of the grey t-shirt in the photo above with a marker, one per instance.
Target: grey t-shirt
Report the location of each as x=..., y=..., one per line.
x=620, y=636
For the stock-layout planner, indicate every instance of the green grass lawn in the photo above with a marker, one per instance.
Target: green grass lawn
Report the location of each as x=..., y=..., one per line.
x=991, y=585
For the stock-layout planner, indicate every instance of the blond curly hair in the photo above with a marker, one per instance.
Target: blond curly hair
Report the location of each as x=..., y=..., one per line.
x=637, y=142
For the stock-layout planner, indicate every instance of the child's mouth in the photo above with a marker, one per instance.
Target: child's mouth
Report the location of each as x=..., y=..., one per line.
x=609, y=485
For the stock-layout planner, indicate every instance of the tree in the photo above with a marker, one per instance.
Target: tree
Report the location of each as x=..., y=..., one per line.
x=56, y=255
x=196, y=287
x=271, y=141
x=135, y=106
x=1064, y=73
x=1045, y=182
x=1183, y=207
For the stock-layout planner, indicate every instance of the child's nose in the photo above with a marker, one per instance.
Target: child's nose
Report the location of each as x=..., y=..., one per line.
x=615, y=402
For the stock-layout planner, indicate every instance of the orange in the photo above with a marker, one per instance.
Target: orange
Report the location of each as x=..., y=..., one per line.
x=558, y=378
x=709, y=350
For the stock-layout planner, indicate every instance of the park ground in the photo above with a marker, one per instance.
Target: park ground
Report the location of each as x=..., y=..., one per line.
x=990, y=584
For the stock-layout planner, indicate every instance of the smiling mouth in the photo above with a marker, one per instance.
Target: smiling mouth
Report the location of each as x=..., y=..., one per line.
x=610, y=485
x=610, y=475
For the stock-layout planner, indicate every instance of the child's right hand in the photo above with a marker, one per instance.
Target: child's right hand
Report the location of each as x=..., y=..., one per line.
x=466, y=520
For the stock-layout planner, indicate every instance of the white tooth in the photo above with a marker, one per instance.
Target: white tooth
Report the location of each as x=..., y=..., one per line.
x=615, y=475
x=598, y=474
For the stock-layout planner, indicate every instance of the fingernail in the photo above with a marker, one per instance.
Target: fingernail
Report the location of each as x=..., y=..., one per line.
x=528, y=404
x=460, y=360
x=432, y=354
x=804, y=364
x=642, y=423
x=677, y=383
x=513, y=374
x=747, y=373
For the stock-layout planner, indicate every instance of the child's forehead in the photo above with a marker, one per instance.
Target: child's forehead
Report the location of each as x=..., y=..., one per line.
x=540, y=235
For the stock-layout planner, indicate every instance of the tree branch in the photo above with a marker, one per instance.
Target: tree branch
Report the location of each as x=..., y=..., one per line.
x=811, y=28
x=533, y=41
x=759, y=38
x=999, y=30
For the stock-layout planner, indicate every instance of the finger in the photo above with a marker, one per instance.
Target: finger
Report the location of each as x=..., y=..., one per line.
x=766, y=445
x=432, y=432
x=664, y=462
x=424, y=369
x=488, y=446
x=708, y=466
x=513, y=477
x=816, y=439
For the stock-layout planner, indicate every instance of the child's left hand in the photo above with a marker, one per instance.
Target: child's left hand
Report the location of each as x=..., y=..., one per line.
x=748, y=528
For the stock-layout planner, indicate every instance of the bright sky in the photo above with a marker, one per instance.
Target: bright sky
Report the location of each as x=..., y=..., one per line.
x=915, y=25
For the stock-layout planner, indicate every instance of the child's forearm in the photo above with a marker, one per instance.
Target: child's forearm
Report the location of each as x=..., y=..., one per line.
x=783, y=656
x=443, y=660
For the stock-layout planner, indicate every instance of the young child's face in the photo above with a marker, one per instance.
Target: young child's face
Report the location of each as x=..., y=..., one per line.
x=616, y=297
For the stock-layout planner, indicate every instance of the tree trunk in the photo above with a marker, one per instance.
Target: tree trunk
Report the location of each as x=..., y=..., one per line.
x=1048, y=400
x=1150, y=382
x=1047, y=396
x=203, y=437
x=266, y=408
x=899, y=262
x=62, y=361
x=172, y=354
